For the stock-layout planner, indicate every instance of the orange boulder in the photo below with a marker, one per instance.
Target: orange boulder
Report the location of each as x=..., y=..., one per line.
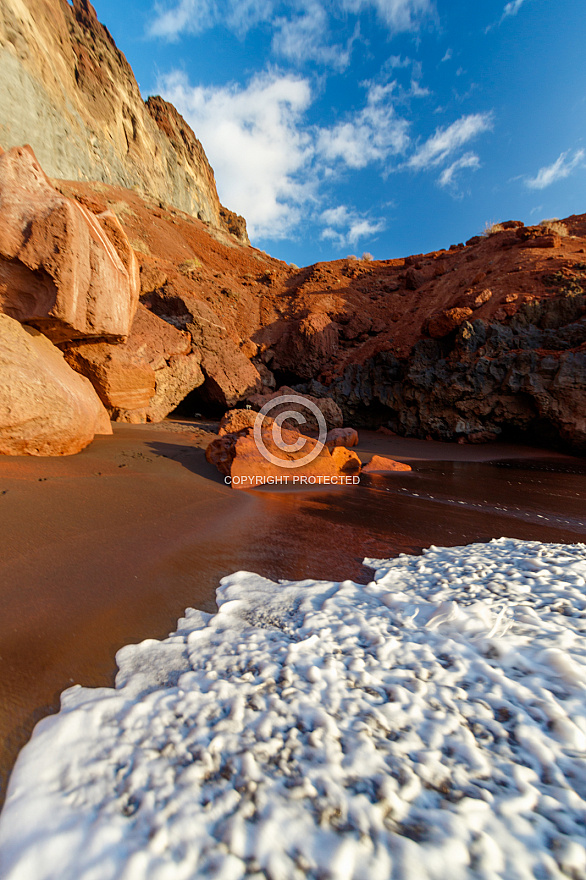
x=380, y=464
x=65, y=270
x=305, y=461
x=45, y=407
x=342, y=437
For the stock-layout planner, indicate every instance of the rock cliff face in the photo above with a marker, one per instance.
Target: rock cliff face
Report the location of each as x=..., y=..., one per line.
x=68, y=91
x=480, y=341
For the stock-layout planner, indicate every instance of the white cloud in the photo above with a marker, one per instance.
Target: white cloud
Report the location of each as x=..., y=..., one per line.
x=197, y=16
x=468, y=160
x=305, y=36
x=371, y=135
x=447, y=56
x=346, y=226
x=398, y=15
x=558, y=170
x=512, y=8
x=256, y=144
x=302, y=33
x=445, y=141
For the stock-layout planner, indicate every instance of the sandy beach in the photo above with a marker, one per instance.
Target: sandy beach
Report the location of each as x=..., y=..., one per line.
x=108, y=547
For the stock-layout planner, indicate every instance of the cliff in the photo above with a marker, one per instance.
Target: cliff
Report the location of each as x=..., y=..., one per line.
x=67, y=90
x=483, y=340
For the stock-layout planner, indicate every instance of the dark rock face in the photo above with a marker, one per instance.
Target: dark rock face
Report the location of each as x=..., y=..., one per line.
x=528, y=376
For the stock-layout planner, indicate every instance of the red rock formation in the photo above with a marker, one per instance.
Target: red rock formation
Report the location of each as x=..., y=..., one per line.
x=239, y=457
x=516, y=362
x=380, y=464
x=63, y=269
x=342, y=437
x=45, y=407
x=144, y=378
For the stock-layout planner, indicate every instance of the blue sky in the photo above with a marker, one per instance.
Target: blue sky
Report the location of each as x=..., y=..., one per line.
x=386, y=126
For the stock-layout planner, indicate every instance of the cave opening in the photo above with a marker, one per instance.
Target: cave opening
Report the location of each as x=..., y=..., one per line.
x=198, y=405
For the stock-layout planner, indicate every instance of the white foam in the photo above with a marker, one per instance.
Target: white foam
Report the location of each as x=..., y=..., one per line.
x=429, y=725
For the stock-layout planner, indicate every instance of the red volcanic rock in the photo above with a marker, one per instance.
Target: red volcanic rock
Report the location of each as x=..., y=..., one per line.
x=328, y=408
x=345, y=460
x=520, y=364
x=229, y=375
x=309, y=344
x=483, y=297
x=68, y=272
x=543, y=241
x=342, y=437
x=238, y=456
x=144, y=378
x=380, y=464
x=443, y=323
x=237, y=419
x=45, y=408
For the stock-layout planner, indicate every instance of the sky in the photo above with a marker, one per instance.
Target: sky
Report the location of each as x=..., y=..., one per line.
x=389, y=127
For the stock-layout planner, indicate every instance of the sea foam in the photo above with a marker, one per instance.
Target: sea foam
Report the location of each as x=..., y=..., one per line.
x=431, y=724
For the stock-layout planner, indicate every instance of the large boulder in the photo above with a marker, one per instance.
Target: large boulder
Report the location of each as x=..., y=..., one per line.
x=69, y=272
x=144, y=378
x=45, y=407
x=239, y=457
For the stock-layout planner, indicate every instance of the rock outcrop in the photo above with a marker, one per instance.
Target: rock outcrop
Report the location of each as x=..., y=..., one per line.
x=45, y=407
x=304, y=405
x=238, y=456
x=390, y=366
x=66, y=89
x=525, y=378
x=144, y=378
x=63, y=269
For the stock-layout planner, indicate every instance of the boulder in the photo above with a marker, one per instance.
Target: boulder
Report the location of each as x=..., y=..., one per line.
x=345, y=460
x=328, y=408
x=342, y=437
x=45, y=407
x=69, y=272
x=237, y=419
x=380, y=464
x=238, y=456
x=442, y=323
x=144, y=378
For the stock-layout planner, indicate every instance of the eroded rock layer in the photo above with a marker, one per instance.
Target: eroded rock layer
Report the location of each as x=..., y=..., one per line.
x=68, y=91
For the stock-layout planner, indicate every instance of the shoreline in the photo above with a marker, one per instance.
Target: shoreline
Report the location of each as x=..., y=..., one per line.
x=109, y=546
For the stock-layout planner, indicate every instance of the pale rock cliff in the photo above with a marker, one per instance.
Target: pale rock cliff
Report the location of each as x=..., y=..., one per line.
x=66, y=89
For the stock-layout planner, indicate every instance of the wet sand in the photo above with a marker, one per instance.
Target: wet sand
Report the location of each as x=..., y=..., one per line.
x=108, y=547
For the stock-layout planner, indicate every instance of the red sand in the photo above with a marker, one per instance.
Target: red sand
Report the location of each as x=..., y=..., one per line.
x=109, y=546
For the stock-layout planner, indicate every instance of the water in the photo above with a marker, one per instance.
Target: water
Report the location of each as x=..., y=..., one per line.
x=111, y=546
